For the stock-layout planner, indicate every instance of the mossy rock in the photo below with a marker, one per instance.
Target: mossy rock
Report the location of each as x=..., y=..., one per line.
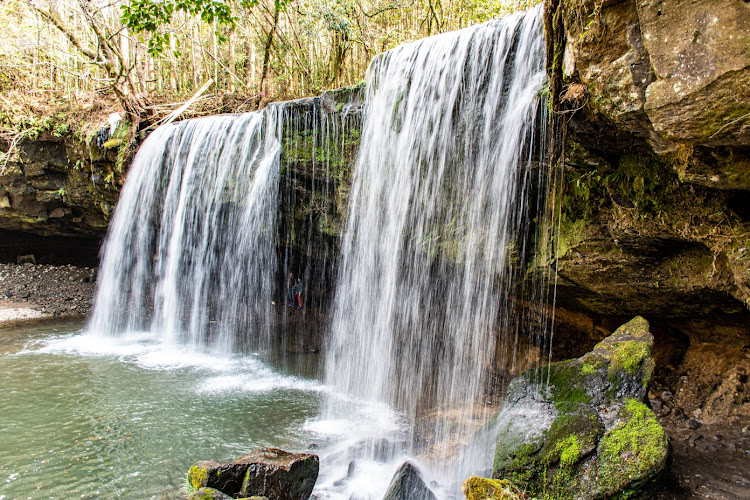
x=629, y=453
x=580, y=428
x=266, y=472
x=208, y=494
x=480, y=488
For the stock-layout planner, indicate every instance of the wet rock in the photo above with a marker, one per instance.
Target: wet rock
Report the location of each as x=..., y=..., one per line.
x=379, y=449
x=407, y=484
x=208, y=494
x=225, y=477
x=694, y=424
x=352, y=469
x=588, y=434
x=267, y=472
x=280, y=474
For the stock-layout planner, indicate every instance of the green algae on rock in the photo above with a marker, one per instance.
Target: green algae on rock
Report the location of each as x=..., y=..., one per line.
x=580, y=428
x=208, y=494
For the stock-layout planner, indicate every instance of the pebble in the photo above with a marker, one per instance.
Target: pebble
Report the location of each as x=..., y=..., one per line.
x=49, y=288
x=694, y=423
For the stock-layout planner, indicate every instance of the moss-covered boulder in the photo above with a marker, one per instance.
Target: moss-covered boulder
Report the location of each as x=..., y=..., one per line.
x=268, y=472
x=481, y=488
x=580, y=428
x=214, y=494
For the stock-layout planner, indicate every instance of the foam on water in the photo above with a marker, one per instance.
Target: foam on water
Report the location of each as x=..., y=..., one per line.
x=222, y=373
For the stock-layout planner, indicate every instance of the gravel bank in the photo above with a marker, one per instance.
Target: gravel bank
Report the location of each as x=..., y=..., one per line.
x=48, y=290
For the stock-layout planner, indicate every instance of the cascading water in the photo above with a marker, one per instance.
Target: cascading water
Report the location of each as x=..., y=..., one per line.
x=438, y=226
x=190, y=254
x=441, y=212
x=208, y=225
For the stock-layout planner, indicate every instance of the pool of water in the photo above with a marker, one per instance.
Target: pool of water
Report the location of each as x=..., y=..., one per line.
x=91, y=417
x=87, y=416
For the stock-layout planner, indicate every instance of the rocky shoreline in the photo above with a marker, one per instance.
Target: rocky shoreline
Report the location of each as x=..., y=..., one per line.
x=38, y=291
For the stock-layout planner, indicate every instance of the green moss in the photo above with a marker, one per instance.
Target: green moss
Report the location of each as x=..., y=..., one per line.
x=588, y=369
x=112, y=143
x=628, y=356
x=198, y=476
x=334, y=153
x=636, y=448
x=569, y=451
x=571, y=233
x=480, y=488
x=566, y=381
x=571, y=436
x=640, y=182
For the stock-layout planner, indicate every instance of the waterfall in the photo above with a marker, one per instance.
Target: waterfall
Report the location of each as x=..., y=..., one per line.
x=439, y=226
x=215, y=213
x=190, y=254
x=432, y=286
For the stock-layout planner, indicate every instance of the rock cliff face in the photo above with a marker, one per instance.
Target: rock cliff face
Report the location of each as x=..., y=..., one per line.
x=58, y=186
x=655, y=218
x=674, y=72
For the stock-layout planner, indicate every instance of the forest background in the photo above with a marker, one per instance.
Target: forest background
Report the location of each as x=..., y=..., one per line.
x=73, y=62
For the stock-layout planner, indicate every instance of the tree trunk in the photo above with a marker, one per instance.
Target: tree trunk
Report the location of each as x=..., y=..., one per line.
x=267, y=57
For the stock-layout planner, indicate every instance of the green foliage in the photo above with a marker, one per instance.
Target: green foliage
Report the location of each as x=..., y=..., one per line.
x=150, y=16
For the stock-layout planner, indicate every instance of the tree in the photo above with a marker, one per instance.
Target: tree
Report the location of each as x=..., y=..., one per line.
x=103, y=51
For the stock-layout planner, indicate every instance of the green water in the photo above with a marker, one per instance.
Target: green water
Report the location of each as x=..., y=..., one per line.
x=100, y=418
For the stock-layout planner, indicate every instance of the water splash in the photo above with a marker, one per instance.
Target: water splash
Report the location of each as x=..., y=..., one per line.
x=439, y=226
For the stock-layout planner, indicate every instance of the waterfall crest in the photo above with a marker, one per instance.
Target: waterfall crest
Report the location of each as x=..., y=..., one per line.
x=439, y=222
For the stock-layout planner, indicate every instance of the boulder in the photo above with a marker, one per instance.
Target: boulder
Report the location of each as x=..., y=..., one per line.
x=270, y=472
x=214, y=494
x=481, y=488
x=580, y=428
x=407, y=484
